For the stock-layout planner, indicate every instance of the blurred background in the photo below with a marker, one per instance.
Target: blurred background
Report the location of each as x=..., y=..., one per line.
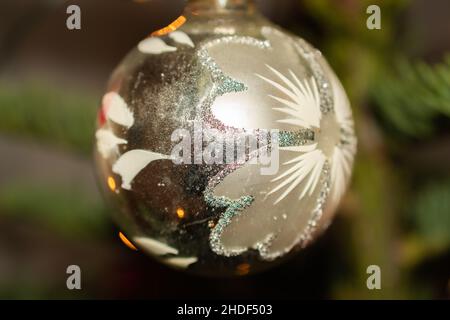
x=396, y=215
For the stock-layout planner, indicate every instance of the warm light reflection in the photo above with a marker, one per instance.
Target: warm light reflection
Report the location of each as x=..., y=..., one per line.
x=170, y=28
x=112, y=184
x=243, y=269
x=127, y=242
x=180, y=213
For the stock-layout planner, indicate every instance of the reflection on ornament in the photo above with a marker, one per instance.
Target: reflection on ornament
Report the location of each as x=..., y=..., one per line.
x=112, y=184
x=127, y=242
x=243, y=269
x=236, y=75
x=170, y=28
x=180, y=213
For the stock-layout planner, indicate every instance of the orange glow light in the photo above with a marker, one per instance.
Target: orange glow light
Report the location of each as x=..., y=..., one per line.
x=127, y=242
x=243, y=269
x=112, y=184
x=180, y=213
x=170, y=28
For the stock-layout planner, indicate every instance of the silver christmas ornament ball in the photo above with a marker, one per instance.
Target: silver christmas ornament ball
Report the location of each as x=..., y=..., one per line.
x=225, y=145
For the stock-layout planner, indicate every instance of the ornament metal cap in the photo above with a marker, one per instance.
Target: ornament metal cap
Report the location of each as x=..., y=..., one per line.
x=220, y=5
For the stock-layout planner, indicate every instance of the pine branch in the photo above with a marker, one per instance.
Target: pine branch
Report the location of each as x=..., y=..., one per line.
x=411, y=98
x=48, y=114
x=67, y=210
x=431, y=214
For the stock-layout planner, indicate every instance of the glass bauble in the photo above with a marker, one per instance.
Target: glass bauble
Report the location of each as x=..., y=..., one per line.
x=225, y=145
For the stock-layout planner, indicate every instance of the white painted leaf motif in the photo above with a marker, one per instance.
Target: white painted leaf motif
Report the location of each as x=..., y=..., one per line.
x=154, y=46
x=117, y=110
x=132, y=162
x=153, y=246
x=158, y=248
x=181, y=262
x=182, y=38
x=107, y=142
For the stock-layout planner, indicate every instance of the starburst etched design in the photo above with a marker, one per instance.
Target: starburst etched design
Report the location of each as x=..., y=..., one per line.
x=303, y=109
x=304, y=106
x=307, y=166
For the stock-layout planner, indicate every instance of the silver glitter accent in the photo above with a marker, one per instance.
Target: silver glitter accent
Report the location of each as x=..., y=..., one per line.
x=233, y=208
x=306, y=236
x=295, y=138
x=222, y=84
x=263, y=246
